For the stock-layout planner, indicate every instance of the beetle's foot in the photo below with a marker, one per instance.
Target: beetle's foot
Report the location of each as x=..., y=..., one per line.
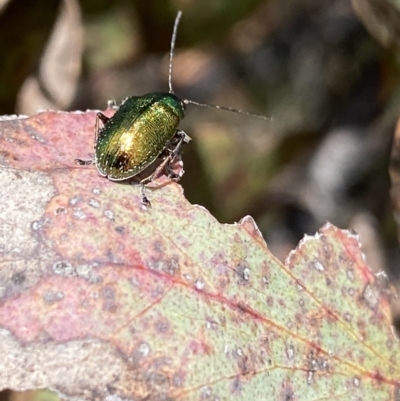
x=185, y=137
x=84, y=162
x=145, y=203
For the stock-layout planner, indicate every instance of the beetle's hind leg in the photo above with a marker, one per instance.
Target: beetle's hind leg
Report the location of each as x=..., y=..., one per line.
x=145, y=200
x=166, y=163
x=152, y=177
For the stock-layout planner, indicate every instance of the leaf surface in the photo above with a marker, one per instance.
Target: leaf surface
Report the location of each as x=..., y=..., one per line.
x=100, y=297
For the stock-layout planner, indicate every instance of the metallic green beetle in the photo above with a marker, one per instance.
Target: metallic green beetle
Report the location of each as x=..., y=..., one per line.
x=143, y=129
x=137, y=134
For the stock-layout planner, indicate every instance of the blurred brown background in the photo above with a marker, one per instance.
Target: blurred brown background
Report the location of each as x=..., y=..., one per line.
x=326, y=71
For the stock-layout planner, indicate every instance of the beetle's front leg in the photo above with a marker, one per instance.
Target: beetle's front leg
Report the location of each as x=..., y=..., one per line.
x=182, y=134
x=104, y=119
x=180, y=138
x=183, y=139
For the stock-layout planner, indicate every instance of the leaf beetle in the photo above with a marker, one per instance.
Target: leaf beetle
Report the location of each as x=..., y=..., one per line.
x=142, y=130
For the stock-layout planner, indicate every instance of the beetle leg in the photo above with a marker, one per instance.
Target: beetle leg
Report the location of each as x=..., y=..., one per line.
x=165, y=164
x=182, y=134
x=157, y=172
x=104, y=119
x=183, y=139
x=171, y=174
x=145, y=199
x=180, y=138
x=84, y=162
x=150, y=178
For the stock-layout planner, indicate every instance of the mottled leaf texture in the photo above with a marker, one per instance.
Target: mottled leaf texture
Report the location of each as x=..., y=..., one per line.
x=101, y=299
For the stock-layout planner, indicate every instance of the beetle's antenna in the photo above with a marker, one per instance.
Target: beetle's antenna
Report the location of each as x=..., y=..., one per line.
x=186, y=101
x=171, y=52
x=215, y=106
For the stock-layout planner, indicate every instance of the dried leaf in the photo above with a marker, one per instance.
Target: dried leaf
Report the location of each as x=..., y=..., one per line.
x=101, y=298
x=58, y=72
